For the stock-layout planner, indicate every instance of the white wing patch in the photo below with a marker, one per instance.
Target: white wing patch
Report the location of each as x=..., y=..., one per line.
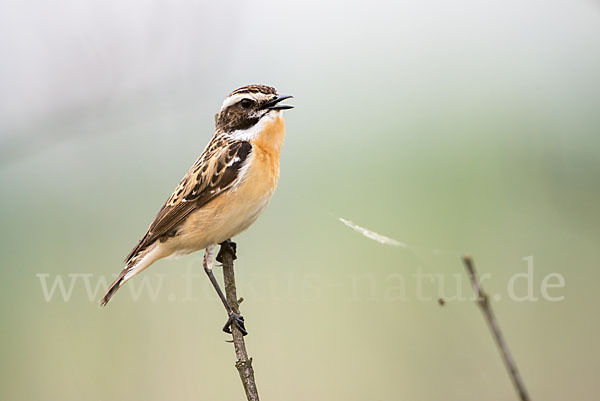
x=234, y=160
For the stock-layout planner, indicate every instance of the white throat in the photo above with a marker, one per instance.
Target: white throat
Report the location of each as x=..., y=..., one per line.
x=253, y=132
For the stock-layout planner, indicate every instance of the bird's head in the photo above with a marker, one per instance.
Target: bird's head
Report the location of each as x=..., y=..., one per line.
x=247, y=106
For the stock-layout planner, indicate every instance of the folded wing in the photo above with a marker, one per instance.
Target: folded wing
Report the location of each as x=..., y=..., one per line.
x=219, y=167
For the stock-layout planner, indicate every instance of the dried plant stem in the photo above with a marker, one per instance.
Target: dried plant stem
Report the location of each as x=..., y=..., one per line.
x=243, y=363
x=488, y=313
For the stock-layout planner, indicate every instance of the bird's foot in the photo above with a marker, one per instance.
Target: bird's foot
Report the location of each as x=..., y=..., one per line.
x=227, y=246
x=237, y=321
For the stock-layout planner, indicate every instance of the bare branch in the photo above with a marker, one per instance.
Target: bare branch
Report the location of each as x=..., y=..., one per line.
x=486, y=309
x=243, y=363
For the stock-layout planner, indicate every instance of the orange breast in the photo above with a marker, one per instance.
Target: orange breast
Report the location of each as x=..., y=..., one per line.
x=270, y=138
x=235, y=210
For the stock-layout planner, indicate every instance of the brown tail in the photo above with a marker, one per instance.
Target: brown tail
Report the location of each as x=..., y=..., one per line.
x=136, y=265
x=114, y=287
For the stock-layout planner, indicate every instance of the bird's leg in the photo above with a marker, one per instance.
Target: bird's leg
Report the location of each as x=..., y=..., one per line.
x=227, y=246
x=234, y=318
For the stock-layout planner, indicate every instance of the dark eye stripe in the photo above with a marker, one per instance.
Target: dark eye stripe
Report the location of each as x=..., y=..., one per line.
x=246, y=103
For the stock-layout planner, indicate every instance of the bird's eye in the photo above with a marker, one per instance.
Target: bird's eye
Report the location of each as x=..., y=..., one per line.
x=246, y=103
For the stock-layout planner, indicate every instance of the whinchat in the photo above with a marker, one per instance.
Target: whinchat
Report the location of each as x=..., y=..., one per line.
x=225, y=190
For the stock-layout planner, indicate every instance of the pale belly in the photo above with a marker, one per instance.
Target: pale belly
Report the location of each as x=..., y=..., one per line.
x=236, y=217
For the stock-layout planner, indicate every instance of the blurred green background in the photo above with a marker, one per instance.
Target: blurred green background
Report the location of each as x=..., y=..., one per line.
x=450, y=126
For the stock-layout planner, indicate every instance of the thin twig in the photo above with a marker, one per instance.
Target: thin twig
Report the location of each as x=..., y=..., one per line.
x=243, y=363
x=488, y=313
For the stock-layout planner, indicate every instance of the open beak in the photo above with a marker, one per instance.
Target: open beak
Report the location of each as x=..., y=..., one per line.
x=273, y=104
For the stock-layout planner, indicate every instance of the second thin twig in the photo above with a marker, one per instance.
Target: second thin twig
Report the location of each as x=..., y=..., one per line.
x=486, y=309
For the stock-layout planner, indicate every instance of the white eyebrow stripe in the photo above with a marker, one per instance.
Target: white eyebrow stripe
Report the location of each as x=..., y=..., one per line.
x=236, y=98
x=232, y=100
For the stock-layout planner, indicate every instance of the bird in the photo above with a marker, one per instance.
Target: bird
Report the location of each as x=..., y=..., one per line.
x=224, y=191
